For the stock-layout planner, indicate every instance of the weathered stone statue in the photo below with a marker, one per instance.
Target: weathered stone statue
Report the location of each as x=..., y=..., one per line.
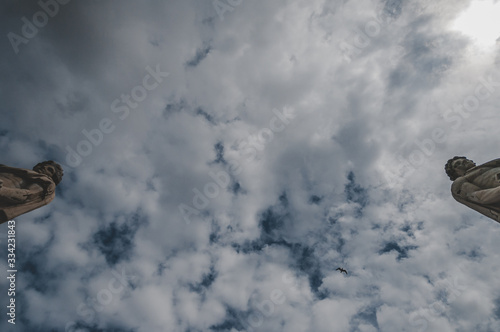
x=478, y=187
x=23, y=190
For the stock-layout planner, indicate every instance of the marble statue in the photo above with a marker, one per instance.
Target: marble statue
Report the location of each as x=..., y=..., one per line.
x=478, y=187
x=23, y=190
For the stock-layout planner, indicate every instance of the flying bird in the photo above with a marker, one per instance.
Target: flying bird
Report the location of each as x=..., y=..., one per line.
x=341, y=270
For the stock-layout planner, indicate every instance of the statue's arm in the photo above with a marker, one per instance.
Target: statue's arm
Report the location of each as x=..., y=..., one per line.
x=485, y=196
x=13, y=195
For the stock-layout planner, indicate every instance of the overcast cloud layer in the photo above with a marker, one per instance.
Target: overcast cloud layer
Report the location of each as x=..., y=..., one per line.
x=232, y=155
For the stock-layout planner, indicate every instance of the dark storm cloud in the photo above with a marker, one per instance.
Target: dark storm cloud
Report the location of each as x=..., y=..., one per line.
x=355, y=193
x=219, y=151
x=497, y=308
x=116, y=241
x=205, y=283
x=402, y=250
x=95, y=328
x=315, y=199
x=204, y=114
x=308, y=263
x=393, y=8
x=200, y=55
x=174, y=107
x=237, y=189
x=234, y=320
x=36, y=275
x=272, y=221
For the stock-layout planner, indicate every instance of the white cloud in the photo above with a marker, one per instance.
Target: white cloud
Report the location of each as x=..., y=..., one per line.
x=402, y=242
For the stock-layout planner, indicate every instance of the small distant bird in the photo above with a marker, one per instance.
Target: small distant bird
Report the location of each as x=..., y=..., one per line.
x=341, y=270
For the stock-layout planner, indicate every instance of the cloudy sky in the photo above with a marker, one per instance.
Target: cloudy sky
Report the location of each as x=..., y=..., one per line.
x=223, y=158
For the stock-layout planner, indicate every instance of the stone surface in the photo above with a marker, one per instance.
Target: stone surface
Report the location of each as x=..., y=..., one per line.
x=477, y=187
x=23, y=190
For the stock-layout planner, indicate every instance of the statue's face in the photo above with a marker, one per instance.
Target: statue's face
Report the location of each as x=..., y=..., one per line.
x=48, y=169
x=462, y=165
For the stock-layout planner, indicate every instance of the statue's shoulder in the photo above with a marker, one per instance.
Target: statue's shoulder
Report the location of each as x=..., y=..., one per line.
x=491, y=163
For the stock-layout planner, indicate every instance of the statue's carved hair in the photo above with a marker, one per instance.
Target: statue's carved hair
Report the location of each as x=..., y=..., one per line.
x=450, y=170
x=57, y=177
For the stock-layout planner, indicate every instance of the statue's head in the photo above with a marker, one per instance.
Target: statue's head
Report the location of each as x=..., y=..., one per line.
x=457, y=166
x=51, y=169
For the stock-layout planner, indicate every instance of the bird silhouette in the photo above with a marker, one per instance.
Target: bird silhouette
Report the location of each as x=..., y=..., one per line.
x=341, y=270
